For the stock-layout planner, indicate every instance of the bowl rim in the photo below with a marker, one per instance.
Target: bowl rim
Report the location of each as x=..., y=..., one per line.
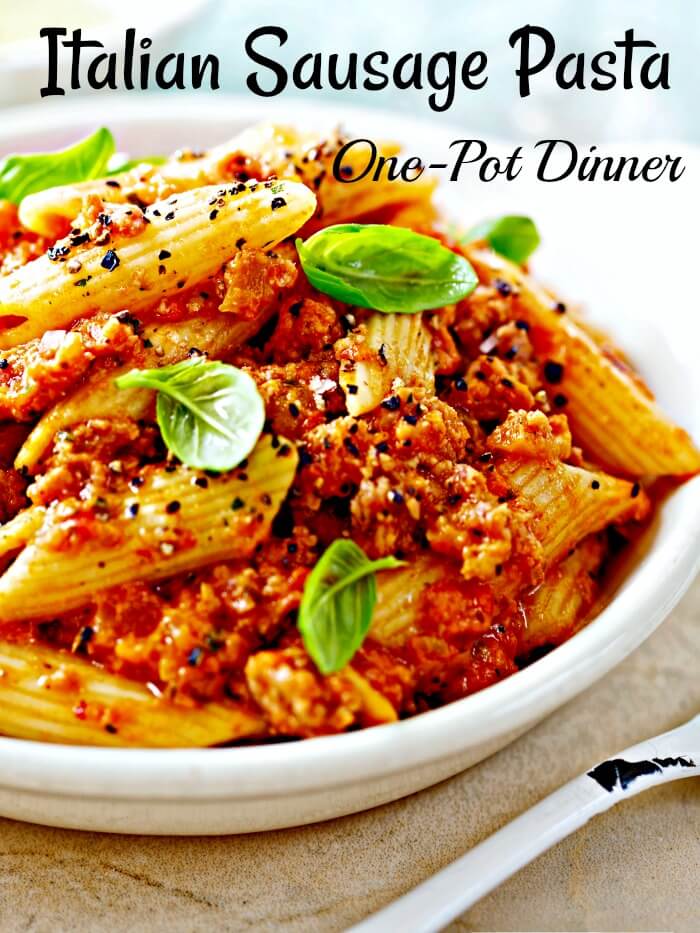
x=287, y=769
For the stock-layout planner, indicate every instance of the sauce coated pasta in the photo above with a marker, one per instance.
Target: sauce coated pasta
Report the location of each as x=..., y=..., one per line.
x=282, y=456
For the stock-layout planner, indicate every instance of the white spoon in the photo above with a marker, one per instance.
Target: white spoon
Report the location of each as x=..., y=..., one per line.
x=434, y=903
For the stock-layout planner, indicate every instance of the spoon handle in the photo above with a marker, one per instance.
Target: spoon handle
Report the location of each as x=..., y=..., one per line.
x=433, y=904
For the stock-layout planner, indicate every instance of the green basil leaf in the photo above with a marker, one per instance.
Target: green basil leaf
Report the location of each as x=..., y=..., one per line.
x=511, y=236
x=210, y=414
x=21, y=175
x=338, y=602
x=387, y=268
x=121, y=163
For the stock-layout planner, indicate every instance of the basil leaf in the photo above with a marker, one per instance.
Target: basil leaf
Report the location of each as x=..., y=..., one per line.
x=387, y=268
x=338, y=602
x=21, y=175
x=121, y=163
x=511, y=236
x=210, y=414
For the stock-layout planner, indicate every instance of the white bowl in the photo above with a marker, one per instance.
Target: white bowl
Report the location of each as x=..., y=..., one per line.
x=606, y=244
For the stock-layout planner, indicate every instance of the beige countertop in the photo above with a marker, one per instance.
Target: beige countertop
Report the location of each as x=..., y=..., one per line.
x=634, y=868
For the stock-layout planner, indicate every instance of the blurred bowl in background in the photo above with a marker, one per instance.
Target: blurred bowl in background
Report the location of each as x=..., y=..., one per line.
x=24, y=55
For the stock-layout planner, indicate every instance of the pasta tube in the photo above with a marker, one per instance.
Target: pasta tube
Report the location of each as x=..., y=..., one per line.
x=261, y=150
x=15, y=533
x=558, y=607
x=52, y=696
x=47, y=211
x=568, y=503
x=340, y=201
x=309, y=157
x=610, y=414
x=392, y=346
x=144, y=536
x=98, y=396
x=396, y=614
x=187, y=239
x=375, y=706
x=297, y=700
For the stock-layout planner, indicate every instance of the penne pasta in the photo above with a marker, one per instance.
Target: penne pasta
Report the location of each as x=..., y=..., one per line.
x=73, y=554
x=52, y=696
x=195, y=232
x=47, y=212
x=286, y=152
x=612, y=417
x=443, y=510
x=15, y=533
x=260, y=151
x=388, y=347
x=558, y=607
x=163, y=343
x=375, y=707
x=296, y=699
x=396, y=612
x=569, y=503
x=340, y=201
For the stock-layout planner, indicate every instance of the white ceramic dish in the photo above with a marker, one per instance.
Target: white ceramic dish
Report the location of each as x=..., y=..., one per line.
x=614, y=246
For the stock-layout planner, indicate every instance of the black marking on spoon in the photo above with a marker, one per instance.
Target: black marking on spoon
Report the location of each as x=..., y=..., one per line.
x=675, y=762
x=618, y=772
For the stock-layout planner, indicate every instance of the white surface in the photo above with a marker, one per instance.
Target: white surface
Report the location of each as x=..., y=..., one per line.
x=627, y=251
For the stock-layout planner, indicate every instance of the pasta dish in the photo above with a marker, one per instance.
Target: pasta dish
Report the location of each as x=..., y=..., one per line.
x=284, y=454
